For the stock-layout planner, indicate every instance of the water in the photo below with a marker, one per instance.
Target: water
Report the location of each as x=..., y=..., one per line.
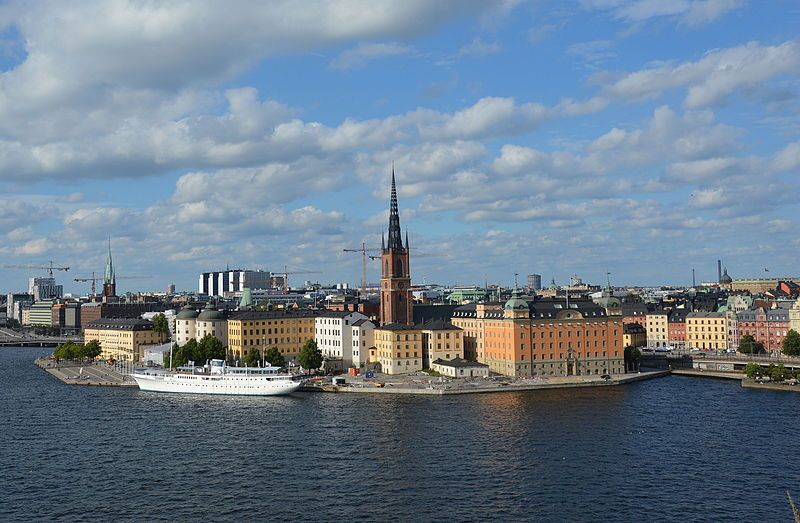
x=671, y=449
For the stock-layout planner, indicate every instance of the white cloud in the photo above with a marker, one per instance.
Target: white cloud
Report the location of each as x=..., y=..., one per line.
x=32, y=247
x=360, y=55
x=713, y=78
x=693, y=13
x=478, y=47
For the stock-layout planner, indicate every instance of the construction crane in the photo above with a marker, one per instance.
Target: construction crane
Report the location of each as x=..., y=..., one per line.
x=50, y=268
x=363, y=250
x=286, y=274
x=94, y=279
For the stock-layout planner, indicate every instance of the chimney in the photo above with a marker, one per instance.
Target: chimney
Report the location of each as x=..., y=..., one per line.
x=719, y=271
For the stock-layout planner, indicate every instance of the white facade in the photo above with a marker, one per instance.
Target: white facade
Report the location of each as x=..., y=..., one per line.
x=184, y=330
x=657, y=335
x=460, y=368
x=215, y=327
x=169, y=315
x=362, y=339
x=333, y=333
x=227, y=282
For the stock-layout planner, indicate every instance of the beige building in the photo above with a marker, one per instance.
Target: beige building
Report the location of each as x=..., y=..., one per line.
x=460, y=368
x=656, y=325
x=257, y=330
x=634, y=335
x=191, y=325
x=440, y=340
x=794, y=316
x=467, y=319
x=122, y=338
x=706, y=330
x=398, y=348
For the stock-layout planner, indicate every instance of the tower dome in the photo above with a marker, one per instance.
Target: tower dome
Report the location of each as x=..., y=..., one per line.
x=725, y=279
x=187, y=313
x=210, y=313
x=516, y=303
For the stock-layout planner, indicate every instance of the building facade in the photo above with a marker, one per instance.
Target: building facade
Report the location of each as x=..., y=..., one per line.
x=706, y=331
x=333, y=332
x=257, y=330
x=767, y=326
x=362, y=340
x=222, y=283
x=41, y=314
x=44, y=288
x=794, y=316
x=396, y=298
x=545, y=337
x=634, y=335
x=460, y=368
x=122, y=338
x=441, y=340
x=676, y=328
x=657, y=329
x=398, y=348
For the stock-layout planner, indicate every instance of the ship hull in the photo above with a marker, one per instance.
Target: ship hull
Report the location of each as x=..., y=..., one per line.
x=231, y=386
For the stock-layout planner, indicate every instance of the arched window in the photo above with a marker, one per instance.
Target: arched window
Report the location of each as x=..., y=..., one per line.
x=386, y=268
x=398, y=267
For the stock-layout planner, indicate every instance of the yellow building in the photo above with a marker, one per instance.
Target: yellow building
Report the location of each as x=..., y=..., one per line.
x=398, y=348
x=706, y=330
x=255, y=330
x=794, y=316
x=441, y=340
x=634, y=335
x=122, y=338
x=657, y=329
x=467, y=319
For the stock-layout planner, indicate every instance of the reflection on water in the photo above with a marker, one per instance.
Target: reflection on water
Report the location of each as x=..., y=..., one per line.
x=673, y=449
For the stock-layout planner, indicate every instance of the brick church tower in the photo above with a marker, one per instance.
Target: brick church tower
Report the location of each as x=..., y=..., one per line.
x=396, y=300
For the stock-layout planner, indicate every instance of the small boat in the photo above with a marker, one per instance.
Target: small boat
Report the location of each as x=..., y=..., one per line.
x=218, y=378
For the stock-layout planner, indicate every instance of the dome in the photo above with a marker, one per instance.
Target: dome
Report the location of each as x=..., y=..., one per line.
x=210, y=313
x=515, y=303
x=187, y=313
x=725, y=279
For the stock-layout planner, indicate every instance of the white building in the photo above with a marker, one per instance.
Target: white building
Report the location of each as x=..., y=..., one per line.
x=44, y=289
x=191, y=325
x=223, y=283
x=657, y=335
x=460, y=368
x=169, y=315
x=362, y=339
x=333, y=333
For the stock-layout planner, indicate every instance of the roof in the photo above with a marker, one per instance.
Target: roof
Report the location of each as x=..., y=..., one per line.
x=359, y=323
x=129, y=324
x=459, y=363
x=273, y=315
x=210, y=313
x=437, y=325
x=633, y=328
x=705, y=314
x=187, y=313
x=397, y=327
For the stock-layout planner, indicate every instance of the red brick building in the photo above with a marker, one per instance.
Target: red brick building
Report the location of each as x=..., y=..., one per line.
x=396, y=297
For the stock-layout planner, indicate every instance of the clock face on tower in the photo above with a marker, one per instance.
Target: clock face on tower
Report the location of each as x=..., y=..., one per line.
x=400, y=285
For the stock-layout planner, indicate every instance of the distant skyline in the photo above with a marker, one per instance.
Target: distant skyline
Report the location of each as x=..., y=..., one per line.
x=637, y=137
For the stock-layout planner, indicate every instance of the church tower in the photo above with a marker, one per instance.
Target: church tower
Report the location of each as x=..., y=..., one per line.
x=396, y=300
x=109, y=279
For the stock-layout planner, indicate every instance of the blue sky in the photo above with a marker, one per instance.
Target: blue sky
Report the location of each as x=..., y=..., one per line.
x=639, y=137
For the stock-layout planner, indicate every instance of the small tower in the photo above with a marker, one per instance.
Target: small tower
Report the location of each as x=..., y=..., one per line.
x=396, y=300
x=109, y=279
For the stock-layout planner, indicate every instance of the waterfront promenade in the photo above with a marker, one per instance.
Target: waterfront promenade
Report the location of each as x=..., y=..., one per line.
x=77, y=373
x=435, y=386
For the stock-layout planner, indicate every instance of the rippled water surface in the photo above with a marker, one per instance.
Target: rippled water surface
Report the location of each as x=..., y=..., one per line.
x=671, y=449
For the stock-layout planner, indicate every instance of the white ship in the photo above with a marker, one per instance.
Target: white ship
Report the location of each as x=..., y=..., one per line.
x=218, y=378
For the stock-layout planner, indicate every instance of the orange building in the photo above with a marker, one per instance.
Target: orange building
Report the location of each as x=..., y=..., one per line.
x=543, y=337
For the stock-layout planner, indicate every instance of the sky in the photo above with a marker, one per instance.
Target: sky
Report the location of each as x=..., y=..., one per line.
x=638, y=137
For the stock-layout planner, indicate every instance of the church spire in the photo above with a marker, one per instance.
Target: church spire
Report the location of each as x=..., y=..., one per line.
x=395, y=238
x=109, y=275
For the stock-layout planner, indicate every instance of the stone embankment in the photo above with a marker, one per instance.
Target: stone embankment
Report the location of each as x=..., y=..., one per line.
x=433, y=386
x=90, y=374
x=785, y=387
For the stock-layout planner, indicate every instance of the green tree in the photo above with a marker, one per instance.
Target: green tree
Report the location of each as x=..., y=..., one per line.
x=791, y=343
x=274, y=357
x=92, y=349
x=161, y=325
x=67, y=351
x=209, y=348
x=632, y=356
x=777, y=372
x=253, y=357
x=749, y=345
x=753, y=370
x=310, y=357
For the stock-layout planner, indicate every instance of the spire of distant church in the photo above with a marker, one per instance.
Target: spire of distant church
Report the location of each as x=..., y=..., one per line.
x=109, y=275
x=395, y=238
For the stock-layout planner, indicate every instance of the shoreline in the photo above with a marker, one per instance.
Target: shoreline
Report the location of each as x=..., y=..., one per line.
x=782, y=387
x=96, y=375
x=468, y=388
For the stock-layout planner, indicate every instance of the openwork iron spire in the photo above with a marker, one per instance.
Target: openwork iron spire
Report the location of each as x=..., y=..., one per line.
x=395, y=238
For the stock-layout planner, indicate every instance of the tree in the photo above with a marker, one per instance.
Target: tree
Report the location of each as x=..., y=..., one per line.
x=253, y=358
x=161, y=325
x=274, y=357
x=632, y=355
x=791, y=343
x=310, y=356
x=68, y=351
x=749, y=345
x=209, y=348
x=92, y=349
x=777, y=372
x=753, y=370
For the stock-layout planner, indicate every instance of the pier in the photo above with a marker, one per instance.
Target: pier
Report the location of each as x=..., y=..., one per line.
x=89, y=374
